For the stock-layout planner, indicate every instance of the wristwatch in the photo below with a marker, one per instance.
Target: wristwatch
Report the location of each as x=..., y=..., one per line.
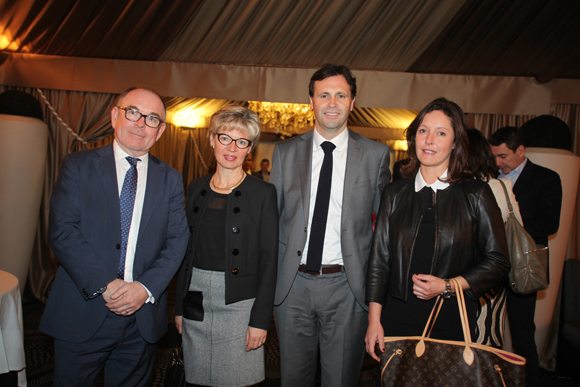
x=447, y=293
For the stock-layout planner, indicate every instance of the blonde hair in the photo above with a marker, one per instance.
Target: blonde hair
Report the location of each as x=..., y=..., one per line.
x=232, y=117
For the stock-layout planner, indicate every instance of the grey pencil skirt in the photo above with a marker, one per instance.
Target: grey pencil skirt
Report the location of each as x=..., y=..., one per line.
x=214, y=349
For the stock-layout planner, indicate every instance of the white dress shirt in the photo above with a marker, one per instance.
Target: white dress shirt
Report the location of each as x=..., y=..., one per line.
x=332, y=251
x=123, y=166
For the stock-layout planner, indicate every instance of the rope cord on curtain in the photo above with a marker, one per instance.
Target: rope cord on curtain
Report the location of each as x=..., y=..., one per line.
x=198, y=152
x=55, y=114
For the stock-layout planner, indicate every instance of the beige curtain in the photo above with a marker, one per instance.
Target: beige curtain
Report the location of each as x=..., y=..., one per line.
x=81, y=114
x=489, y=123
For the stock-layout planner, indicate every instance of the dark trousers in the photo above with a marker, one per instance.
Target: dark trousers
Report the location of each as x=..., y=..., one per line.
x=117, y=347
x=521, y=311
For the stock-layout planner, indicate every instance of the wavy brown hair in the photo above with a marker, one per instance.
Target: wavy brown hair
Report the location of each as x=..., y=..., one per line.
x=481, y=159
x=458, y=170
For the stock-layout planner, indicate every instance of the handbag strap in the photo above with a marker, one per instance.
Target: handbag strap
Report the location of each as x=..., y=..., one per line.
x=507, y=196
x=468, y=355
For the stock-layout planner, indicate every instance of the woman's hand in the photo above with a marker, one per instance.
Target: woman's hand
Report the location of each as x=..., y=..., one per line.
x=255, y=338
x=178, y=320
x=425, y=286
x=375, y=332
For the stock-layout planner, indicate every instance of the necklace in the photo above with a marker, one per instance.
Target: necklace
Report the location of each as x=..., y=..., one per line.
x=228, y=188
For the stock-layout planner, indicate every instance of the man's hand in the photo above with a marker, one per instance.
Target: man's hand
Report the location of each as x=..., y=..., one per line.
x=127, y=299
x=112, y=288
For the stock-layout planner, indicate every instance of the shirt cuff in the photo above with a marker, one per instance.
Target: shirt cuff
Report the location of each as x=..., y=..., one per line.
x=150, y=299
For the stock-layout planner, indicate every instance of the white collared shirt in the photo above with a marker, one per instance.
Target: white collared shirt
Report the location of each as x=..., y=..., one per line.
x=122, y=166
x=332, y=251
x=438, y=185
x=514, y=173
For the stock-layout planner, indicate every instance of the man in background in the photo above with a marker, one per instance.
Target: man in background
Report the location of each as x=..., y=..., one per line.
x=329, y=181
x=264, y=172
x=118, y=228
x=538, y=191
x=248, y=164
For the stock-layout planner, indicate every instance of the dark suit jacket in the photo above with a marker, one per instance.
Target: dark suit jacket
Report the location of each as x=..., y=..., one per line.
x=367, y=173
x=250, y=244
x=538, y=191
x=85, y=235
x=258, y=174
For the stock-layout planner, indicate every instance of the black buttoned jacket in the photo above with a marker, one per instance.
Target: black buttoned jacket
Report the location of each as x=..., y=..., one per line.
x=250, y=245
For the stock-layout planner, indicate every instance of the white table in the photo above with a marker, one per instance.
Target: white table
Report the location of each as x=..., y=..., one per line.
x=11, y=328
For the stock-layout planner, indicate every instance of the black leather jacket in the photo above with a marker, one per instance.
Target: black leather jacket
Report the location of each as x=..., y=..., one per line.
x=470, y=239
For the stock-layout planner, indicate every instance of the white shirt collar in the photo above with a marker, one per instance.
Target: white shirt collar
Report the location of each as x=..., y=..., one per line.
x=121, y=154
x=339, y=141
x=438, y=185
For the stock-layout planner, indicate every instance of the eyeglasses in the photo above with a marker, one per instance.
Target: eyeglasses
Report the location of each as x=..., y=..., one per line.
x=241, y=143
x=135, y=115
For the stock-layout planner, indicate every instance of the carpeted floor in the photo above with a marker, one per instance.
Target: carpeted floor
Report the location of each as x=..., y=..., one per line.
x=40, y=354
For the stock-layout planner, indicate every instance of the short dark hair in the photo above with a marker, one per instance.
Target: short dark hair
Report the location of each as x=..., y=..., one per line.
x=481, y=160
x=458, y=168
x=511, y=136
x=330, y=70
x=124, y=94
x=266, y=160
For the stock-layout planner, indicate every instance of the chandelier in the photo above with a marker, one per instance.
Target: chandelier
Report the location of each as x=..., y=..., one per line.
x=286, y=119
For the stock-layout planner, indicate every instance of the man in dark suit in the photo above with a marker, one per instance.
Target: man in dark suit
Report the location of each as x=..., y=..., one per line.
x=320, y=293
x=538, y=191
x=263, y=173
x=248, y=164
x=118, y=228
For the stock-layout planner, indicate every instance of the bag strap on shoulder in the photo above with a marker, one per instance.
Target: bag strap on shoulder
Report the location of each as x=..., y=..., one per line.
x=507, y=196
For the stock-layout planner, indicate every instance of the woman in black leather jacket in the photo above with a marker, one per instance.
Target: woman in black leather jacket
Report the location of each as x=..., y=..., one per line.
x=439, y=223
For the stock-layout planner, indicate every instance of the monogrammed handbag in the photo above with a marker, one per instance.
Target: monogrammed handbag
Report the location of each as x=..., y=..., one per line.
x=422, y=361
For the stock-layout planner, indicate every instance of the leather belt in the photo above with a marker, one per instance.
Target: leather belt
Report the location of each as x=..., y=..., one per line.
x=328, y=269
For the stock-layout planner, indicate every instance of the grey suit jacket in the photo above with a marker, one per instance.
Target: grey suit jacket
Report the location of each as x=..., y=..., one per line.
x=367, y=173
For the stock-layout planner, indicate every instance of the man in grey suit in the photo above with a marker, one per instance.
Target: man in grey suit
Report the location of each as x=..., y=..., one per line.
x=324, y=243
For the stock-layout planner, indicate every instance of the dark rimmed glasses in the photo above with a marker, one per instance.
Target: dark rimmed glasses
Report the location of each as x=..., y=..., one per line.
x=135, y=115
x=226, y=140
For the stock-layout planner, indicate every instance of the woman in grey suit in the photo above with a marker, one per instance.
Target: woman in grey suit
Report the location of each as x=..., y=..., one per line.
x=226, y=284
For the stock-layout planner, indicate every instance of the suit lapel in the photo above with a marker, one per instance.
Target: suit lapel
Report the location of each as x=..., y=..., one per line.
x=155, y=175
x=353, y=163
x=106, y=170
x=304, y=163
x=525, y=177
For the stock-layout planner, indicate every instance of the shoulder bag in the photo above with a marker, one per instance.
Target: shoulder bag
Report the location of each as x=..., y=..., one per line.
x=422, y=361
x=529, y=272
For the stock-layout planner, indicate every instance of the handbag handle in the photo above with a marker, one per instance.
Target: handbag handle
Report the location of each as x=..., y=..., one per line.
x=507, y=197
x=468, y=355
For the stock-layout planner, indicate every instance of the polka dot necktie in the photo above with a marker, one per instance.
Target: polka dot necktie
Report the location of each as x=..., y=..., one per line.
x=320, y=215
x=127, y=201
